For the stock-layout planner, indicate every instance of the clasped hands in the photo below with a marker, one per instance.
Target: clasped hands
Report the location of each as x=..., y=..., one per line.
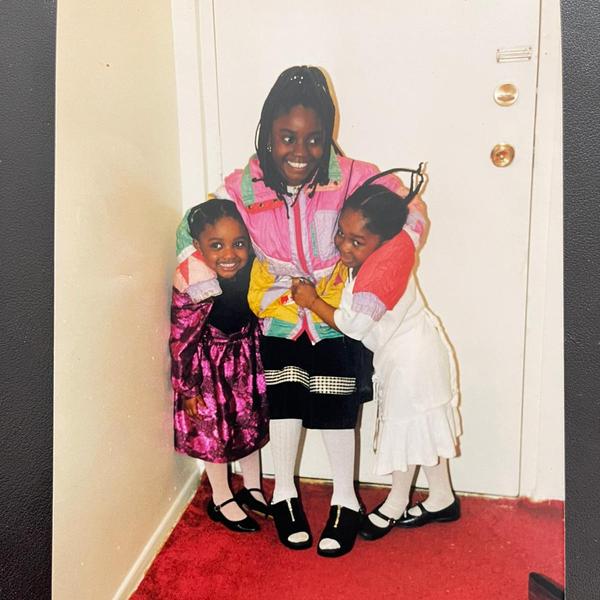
x=304, y=293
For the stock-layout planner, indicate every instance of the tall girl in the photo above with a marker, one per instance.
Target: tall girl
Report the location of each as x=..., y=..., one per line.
x=217, y=376
x=289, y=195
x=415, y=375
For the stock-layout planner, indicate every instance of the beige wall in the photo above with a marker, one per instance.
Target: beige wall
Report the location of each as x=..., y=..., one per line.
x=118, y=485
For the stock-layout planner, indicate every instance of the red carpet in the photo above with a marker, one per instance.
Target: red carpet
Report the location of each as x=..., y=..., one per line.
x=487, y=554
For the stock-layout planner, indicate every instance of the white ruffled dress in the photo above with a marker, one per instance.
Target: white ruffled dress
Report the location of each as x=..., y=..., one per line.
x=415, y=380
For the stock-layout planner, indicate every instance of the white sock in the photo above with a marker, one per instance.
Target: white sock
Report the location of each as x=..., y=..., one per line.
x=285, y=437
x=219, y=482
x=250, y=466
x=340, y=449
x=440, y=489
x=397, y=500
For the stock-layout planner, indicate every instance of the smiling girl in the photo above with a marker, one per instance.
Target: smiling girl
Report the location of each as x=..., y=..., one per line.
x=220, y=405
x=415, y=373
x=289, y=195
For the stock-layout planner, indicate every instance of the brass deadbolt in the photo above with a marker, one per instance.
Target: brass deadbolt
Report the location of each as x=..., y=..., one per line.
x=506, y=94
x=502, y=155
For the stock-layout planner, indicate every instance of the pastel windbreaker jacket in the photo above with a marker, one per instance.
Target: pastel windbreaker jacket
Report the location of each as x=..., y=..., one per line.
x=293, y=242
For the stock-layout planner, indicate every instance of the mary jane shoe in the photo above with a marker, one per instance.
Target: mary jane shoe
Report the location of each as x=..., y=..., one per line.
x=247, y=525
x=369, y=531
x=245, y=498
x=445, y=515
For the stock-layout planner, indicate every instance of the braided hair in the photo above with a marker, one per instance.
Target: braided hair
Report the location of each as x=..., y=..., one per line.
x=384, y=211
x=307, y=87
x=208, y=213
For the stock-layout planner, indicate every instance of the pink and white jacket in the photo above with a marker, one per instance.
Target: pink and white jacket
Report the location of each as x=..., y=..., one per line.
x=298, y=241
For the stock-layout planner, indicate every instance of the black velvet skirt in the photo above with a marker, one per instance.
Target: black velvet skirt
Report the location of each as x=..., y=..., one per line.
x=322, y=385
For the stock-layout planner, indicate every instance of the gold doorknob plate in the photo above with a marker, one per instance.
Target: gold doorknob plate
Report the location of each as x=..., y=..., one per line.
x=502, y=155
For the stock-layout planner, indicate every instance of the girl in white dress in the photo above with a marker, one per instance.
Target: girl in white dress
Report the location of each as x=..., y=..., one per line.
x=415, y=372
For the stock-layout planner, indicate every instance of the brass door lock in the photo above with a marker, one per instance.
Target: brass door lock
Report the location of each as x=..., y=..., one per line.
x=502, y=155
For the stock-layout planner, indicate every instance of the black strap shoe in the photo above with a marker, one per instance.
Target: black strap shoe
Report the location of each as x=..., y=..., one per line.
x=342, y=526
x=289, y=519
x=249, y=502
x=369, y=531
x=247, y=525
x=445, y=515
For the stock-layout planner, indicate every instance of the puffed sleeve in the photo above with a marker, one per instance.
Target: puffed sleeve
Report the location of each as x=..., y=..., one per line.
x=351, y=323
x=187, y=322
x=348, y=320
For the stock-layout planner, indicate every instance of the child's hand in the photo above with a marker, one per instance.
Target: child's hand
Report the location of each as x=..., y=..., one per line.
x=303, y=292
x=190, y=405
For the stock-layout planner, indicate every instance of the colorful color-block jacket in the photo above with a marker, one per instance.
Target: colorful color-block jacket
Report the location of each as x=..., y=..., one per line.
x=297, y=241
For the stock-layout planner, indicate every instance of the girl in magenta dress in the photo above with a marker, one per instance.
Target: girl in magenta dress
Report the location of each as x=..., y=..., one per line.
x=220, y=404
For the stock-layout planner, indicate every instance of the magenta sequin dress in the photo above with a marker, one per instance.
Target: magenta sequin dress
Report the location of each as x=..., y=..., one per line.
x=225, y=368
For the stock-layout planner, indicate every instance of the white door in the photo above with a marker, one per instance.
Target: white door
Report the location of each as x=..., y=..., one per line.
x=414, y=82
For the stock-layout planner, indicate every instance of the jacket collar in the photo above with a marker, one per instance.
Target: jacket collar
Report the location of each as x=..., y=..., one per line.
x=257, y=191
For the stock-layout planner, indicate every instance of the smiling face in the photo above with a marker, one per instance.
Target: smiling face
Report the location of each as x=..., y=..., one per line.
x=353, y=239
x=297, y=144
x=225, y=246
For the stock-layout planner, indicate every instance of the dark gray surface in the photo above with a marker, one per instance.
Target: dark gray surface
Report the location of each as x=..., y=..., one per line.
x=581, y=91
x=27, y=53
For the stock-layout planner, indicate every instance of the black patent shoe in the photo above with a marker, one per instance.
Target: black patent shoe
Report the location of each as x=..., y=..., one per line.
x=342, y=526
x=247, y=525
x=369, y=531
x=249, y=502
x=450, y=513
x=289, y=519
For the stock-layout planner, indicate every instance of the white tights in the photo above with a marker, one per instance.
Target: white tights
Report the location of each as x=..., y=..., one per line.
x=219, y=482
x=440, y=492
x=285, y=437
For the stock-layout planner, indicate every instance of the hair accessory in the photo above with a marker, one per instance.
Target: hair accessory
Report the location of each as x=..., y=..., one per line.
x=416, y=179
x=269, y=148
x=195, y=213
